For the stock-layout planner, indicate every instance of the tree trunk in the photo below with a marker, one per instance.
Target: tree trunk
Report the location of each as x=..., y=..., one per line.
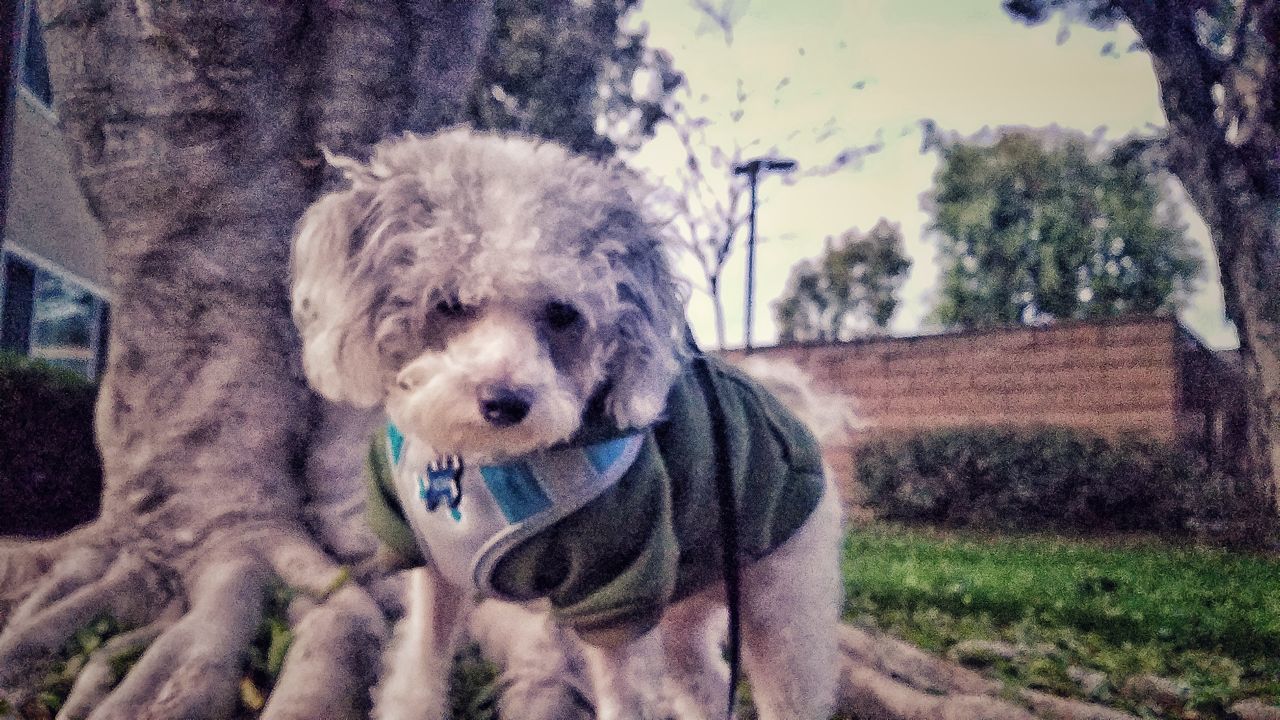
x=1223, y=109
x=196, y=128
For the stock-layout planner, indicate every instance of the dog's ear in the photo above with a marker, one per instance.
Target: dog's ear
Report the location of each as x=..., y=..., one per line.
x=338, y=352
x=650, y=343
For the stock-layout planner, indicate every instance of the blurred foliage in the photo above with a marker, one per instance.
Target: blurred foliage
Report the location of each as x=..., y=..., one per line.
x=51, y=694
x=474, y=686
x=572, y=72
x=1098, y=13
x=263, y=661
x=1045, y=225
x=265, y=658
x=1123, y=607
x=848, y=291
x=50, y=471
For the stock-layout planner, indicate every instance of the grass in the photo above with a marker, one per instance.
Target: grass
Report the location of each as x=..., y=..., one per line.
x=1207, y=617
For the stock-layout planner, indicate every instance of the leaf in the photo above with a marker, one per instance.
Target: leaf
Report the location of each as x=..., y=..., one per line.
x=281, y=639
x=123, y=661
x=341, y=578
x=50, y=701
x=250, y=696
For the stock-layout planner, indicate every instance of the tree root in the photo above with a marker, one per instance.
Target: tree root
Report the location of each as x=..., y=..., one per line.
x=887, y=679
x=1059, y=708
x=100, y=673
x=72, y=572
x=129, y=591
x=192, y=669
x=304, y=567
x=870, y=695
x=889, y=656
x=25, y=564
x=193, y=651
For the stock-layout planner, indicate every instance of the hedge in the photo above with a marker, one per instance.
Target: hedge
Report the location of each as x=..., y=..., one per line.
x=1029, y=479
x=50, y=470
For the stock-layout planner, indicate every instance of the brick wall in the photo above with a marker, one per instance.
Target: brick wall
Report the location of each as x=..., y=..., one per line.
x=1104, y=377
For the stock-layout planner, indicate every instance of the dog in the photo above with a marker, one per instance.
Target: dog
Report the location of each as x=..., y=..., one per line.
x=552, y=438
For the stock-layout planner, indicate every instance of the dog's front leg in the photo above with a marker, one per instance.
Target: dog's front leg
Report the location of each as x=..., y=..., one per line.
x=542, y=670
x=416, y=665
x=626, y=678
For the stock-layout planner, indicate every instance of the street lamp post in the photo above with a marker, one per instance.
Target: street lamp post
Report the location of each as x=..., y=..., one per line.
x=752, y=169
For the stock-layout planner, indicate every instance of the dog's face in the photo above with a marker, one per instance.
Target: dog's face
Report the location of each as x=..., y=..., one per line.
x=497, y=375
x=486, y=290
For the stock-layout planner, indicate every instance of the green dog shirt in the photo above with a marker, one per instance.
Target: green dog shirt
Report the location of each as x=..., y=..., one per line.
x=615, y=525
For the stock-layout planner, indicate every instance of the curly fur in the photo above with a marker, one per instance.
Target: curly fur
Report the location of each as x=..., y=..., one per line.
x=442, y=274
x=469, y=217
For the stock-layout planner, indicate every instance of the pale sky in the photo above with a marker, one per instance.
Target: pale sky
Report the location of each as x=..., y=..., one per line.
x=825, y=75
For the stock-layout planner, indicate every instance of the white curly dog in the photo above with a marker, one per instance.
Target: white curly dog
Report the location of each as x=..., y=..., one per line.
x=552, y=441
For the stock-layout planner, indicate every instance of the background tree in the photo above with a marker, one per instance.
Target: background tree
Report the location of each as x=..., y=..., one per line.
x=195, y=128
x=1217, y=63
x=1042, y=226
x=708, y=205
x=849, y=291
x=572, y=72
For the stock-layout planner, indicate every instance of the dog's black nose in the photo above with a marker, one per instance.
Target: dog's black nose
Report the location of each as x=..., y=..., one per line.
x=504, y=406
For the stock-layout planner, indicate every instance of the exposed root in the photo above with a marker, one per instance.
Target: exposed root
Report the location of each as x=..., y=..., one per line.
x=890, y=656
x=192, y=669
x=303, y=566
x=75, y=570
x=100, y=673
x=332, y=661
x=190, y=666
x=49, y=568
x=887, y=679
x=130, y=592
x=1058, y=708
x=869, y=695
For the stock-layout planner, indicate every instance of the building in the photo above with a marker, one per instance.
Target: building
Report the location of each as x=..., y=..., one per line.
x=54, y=292
x=1138, y=374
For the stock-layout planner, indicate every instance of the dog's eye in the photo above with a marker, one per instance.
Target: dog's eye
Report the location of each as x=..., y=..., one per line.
x=451, y=307
x=561, y=316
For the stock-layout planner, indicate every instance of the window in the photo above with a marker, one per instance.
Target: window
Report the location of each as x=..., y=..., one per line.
x=64, y=324
x=51, y=317
x=35, y=61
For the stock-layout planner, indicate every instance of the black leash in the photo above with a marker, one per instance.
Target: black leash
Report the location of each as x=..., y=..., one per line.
x=728, y=524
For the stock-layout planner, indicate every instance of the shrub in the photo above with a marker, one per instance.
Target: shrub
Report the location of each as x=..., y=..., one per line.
x=1234, y=514
x=1026, y=479
x=50, y=471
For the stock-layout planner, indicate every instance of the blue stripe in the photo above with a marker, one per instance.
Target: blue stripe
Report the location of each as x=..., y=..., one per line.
x=396, y=442
x=518, y=494
x=604, y=455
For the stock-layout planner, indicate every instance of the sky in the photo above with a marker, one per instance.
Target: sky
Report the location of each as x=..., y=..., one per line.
x=820, y=76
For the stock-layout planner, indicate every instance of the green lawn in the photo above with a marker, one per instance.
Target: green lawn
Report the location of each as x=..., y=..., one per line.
x=1208, y=617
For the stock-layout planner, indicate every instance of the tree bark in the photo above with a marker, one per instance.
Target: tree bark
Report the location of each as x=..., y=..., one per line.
x=1223, y=108
x=196, y=128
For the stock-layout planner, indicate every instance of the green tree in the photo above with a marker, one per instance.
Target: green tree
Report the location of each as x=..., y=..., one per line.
x=1217, y=63
x=1044, y=225
x=572, y=72
x=850, y=290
